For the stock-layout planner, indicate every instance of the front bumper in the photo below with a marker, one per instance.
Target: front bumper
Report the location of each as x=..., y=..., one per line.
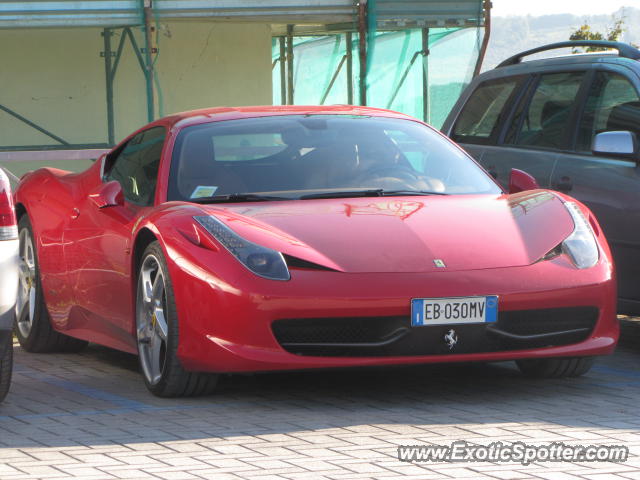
x=394, y=336
x=230, y=327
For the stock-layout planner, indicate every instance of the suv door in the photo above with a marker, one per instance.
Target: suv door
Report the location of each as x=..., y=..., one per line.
x=610, y=187
x=532, y=128
x=478, y=126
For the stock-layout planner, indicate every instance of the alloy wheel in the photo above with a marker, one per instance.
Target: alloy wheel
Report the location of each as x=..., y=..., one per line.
x=151, y=319
x=26, y=301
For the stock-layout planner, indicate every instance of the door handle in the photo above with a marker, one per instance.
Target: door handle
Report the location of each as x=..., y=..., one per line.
x=564, y=185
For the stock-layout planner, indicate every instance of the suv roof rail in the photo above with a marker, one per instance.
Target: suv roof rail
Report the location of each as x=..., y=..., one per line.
x=624, y=50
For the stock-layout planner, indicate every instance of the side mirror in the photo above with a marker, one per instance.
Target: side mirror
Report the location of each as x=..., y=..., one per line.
x=616, y=144
x=519, y=181
x=108, y=195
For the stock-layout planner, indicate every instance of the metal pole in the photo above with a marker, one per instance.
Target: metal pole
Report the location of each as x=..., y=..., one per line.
x=134, y=44
x=106, y=34
x=404, y=77
x=485, y=39
x=333, y=80
x=118, y=56
x=33, y=125
x=148, y=62
x=290, y=64
x=349, y=69
x=425, y=75
x=283, y=72
x=362, y=34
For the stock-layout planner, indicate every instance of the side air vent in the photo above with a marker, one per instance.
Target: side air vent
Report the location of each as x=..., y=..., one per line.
x=295, y=262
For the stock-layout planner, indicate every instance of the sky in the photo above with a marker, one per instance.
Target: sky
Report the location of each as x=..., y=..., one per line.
x=503, y=8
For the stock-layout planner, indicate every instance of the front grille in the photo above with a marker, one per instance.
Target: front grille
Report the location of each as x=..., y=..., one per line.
x=394, y=336
x=566, y=325
x=337, y=330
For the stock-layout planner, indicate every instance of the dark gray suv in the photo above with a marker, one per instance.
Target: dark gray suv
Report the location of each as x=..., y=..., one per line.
x=572, y=122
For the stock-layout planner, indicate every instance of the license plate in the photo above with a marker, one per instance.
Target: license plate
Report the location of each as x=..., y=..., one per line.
x=444, y=311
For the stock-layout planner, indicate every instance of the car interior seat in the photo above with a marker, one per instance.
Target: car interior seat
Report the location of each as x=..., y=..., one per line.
x=553, y=122
x=147, y=173
x=289, y=173
x=198, y=168
x=625, y=117
x=330, y=166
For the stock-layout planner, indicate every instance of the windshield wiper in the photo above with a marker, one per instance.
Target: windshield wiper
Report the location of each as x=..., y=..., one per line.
x=237, y=197
x=378, y=192
x=256, y=197
x=391, y=193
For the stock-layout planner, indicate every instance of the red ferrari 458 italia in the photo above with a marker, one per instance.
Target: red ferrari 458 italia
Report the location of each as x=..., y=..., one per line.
x=285, y=238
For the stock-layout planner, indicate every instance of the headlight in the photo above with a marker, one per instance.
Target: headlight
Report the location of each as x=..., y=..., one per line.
x=260, y=260
x=581, y=245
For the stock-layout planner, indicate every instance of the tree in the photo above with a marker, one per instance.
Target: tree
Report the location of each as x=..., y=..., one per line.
x=585, y=33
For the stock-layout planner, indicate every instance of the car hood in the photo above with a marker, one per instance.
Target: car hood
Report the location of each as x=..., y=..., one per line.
x=406, y=234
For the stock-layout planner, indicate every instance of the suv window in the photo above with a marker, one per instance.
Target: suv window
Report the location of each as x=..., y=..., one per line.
x=481, y=114
x=544, y=123
x=135, y=167
x=613, y=104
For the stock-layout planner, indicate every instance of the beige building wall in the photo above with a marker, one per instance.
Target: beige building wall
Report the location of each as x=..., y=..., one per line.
x=214, y=64
x=56, y=78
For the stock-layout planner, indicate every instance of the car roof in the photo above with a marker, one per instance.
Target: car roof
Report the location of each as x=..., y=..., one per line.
x=577, y=58
x=206, y=115
x=568, y=61
x=626, y=58
x=626, y=55
x=624, y=50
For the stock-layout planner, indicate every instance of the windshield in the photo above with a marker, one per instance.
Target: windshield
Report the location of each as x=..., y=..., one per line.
x=297, y=156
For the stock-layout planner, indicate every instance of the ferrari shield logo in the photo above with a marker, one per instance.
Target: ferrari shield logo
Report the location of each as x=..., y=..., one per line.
x=439, y=263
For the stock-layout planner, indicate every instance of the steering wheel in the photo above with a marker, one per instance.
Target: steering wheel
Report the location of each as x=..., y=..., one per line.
x=398, y=173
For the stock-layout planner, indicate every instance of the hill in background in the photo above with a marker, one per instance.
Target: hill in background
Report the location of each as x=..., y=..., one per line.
x=513, y=34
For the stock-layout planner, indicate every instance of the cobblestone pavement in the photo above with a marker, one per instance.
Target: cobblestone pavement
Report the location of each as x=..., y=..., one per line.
x=89, y=416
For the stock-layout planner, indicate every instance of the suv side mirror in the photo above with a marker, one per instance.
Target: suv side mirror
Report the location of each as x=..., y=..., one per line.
x=519, y=181
x=108, y=195
x=616, y=144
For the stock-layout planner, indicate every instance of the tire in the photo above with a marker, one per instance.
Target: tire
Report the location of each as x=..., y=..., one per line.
x=6, y=367
x=157, y=332
x=32, y=326
x=555, y=367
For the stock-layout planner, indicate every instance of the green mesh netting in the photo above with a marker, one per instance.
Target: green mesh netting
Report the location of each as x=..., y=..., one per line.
x=395, y=70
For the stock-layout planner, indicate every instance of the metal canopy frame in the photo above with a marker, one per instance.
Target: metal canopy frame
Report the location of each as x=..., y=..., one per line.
x=289, y=19
x=61, y=143
x=385, y=16
x=111, y=63
x=69, y=13
x=139, y=15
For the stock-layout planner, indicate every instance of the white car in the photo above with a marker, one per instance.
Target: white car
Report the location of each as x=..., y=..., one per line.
x=9, y=266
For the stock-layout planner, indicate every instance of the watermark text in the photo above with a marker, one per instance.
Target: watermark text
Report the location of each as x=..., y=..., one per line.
x=517, y=452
